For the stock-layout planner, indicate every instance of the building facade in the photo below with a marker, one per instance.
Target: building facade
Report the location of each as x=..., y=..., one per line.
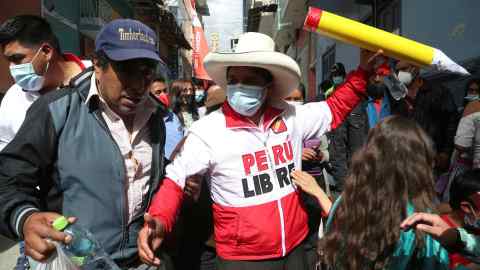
x=447, y=25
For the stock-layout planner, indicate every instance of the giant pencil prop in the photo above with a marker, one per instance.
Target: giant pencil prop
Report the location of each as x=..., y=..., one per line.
x=373, y=39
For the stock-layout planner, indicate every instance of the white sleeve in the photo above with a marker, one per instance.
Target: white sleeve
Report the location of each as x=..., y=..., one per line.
x=194, y=158
x=6, y=132
x=314, y=119
x=465, y=132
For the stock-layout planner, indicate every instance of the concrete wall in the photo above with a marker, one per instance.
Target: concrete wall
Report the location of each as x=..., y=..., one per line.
x=451, y=26
x=9, y=252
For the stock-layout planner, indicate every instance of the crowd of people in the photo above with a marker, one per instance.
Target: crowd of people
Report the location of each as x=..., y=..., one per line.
x=239, y=172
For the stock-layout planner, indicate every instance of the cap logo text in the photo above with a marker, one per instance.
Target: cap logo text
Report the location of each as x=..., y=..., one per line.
x=132, y=35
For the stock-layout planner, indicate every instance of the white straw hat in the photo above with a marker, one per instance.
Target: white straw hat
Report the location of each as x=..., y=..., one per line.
x=256, y=50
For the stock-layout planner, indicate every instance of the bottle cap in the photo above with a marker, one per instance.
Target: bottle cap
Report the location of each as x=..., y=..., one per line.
x=78, y=261
x=60, y=223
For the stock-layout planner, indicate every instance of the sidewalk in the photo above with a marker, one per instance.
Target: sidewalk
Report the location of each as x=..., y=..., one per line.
x=8, y=254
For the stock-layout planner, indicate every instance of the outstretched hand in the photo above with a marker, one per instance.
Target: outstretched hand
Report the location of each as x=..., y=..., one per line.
x=368, y=59
x=150, y=239
x=433, y=225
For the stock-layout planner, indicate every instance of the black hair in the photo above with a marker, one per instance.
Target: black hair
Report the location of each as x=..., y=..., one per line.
x=325, y=85
x=463, y=186
x=301, y=88
x=102, y=59
x=471, y=81
x=338, y=69
x=159, y=79
x=29, y=30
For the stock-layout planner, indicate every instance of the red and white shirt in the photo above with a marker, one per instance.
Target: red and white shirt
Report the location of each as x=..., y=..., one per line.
x=257, y=210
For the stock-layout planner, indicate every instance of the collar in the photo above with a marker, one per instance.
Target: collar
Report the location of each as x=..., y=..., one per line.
x=236, y=120
x=93, y=91
x=70, y=57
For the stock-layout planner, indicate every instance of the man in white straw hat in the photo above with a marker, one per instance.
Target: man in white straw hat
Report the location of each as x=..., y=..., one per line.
x=248, y=149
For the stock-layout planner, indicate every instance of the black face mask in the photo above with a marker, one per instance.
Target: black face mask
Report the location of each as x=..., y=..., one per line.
x=376, y=90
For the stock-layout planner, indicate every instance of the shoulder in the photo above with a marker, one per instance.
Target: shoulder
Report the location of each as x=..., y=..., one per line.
x=16, y=101
x=214, y=121
x=472, y=107
x=16, y=94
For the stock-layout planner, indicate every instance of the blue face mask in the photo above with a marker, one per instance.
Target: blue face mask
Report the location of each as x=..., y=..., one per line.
x=337, y=80
x=199, y=96
x=472, y=221
x=471, y=97
x=25, y=76
x=245, y=99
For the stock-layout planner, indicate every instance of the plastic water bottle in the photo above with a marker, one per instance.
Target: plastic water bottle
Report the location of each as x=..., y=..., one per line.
x=84, y=250
x=397, y=89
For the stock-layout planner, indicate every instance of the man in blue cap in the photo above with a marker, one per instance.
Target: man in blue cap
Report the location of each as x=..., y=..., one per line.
x=92, y=151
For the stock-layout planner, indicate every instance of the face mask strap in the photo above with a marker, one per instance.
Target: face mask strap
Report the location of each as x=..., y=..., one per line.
x=35, y=56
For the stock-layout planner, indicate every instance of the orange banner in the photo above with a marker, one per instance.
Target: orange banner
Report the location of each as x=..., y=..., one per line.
x=199, y=46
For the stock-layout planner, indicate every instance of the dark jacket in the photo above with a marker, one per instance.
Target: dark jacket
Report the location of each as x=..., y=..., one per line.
x=344, y=141
x=435, y=111
x=64, y=159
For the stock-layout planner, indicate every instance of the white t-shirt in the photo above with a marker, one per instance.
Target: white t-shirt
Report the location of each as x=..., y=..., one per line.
x=13, y=109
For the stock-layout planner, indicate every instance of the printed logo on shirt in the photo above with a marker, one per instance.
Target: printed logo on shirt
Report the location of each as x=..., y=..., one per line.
x=261, y=182
x=279, y=126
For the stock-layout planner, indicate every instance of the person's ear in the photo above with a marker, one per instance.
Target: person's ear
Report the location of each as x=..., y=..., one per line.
x=47, y=51
x=420, y=82
x=97, y=69
x=466, y=207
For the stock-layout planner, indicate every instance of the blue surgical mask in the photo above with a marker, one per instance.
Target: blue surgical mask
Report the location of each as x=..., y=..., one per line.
x=471, y=97
x=25, y=76
x=245, y=99
x=199, y=96
x=472, y=221
x=337, y=80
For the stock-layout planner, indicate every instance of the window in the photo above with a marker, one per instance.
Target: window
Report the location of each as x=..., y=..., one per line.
x=389, y=17
x=233, y=43
x=328, y=60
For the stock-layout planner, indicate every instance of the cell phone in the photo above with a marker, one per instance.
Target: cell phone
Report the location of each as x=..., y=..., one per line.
x=313, y=143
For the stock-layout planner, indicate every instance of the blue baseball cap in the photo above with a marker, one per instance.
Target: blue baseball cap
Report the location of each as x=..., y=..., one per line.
x=125, y=39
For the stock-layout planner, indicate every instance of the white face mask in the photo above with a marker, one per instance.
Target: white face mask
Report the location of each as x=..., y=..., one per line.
x=405, y=77
x=246, y=99
x=295, y=103
x=26, y=77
